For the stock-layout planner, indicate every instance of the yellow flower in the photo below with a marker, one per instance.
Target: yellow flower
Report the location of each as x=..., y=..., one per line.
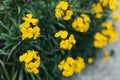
x=58, y=34
x=70, y=65
x=104, y=2
x=66, y=17
x=98, y=15
x=107, y=25
x=70, y=61
x=97, y=8
x=69, y=13
x=58, y=13
x=81, y=23
x=36, y=71
x=62, y=33
x=100, y=40
x=32, y=61
x=106, y=56
x=22, y=57
x=60, y=66
x=68, y=73
x=113, y=4
x=36, y=32
x=29, y=28
x=66, y=43
x=64, y=5
x=90, y=60
x=79, y=64
x=109, y=31
x=85, y=18
x=74, y=24
x=113, y=35
x=29, y=19
x=115, y=16
x=63, y=10
x=72, y=39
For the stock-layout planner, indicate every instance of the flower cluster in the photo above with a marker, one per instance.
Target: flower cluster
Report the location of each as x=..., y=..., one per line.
x=70, y=65
x=109, y=31
x=108, y=34
x=66, y=44
x=63, y=9
x=29, y=28
x=81, y=23
x=32, y=61
x=100, y=40
x=113, y=4
x=97, y=8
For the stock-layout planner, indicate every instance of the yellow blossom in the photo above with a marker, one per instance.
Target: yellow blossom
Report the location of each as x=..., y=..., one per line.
x=62, y=33
x=29, y=28
x=113, y=4
x=69, y=13
x=63, y=9
x=64, y=5
x=115, y=16
x=66, y=42
x=60, y=66
x=72, y=39
x=109, y=31
x=81, y=23
x=100, y=40
x=90, y=60
x=106, y=56
x=104, y=2
x=32, y=61
x=29, y=19
x=97, y=8
x=67, y=73
x=79, y=64
x=98, y=15
x=70, y=65
x=58, y=13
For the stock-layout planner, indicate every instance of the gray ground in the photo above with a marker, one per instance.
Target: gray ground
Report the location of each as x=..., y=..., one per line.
x=100, y=70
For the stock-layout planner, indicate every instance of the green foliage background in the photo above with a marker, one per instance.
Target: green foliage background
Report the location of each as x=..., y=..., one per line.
x=11, y=46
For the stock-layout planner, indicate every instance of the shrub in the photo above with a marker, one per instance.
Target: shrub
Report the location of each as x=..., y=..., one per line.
x=48, y=39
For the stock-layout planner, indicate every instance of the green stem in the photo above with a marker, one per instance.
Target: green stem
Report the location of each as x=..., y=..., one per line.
x=5, y=71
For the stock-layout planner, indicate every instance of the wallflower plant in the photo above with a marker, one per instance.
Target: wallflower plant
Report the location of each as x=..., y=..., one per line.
x=49, y=40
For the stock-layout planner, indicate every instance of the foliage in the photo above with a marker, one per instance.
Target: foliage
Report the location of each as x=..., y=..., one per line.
x=12, y=45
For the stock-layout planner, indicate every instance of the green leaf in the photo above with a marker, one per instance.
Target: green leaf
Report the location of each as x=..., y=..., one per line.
x=32, y=76
x=15, y=75
x=4, y=26
x=4, y=69
x=3, y=53
x=20, y=75
x=13, y=48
